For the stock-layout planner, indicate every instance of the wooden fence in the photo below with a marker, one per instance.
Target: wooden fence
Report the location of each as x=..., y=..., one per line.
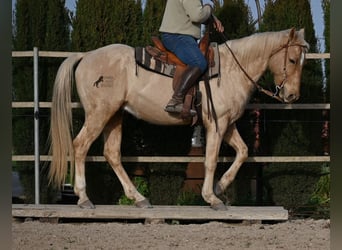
x=187, y=159
x=319, y=106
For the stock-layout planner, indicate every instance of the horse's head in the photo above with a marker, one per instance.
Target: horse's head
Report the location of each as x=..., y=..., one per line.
x=286, y=63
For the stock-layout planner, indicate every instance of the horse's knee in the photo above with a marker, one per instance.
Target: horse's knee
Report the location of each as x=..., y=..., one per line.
x=112, y=157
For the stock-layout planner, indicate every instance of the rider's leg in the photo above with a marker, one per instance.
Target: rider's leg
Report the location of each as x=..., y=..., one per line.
x=187, y=80
x=187, y=50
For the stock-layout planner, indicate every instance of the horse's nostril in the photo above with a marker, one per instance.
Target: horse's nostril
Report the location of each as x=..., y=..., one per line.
x=291, y=98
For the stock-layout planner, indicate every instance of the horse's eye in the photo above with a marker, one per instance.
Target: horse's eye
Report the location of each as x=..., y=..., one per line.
x=292, y=61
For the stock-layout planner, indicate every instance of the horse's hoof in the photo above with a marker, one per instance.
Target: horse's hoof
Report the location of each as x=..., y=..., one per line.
x=143, y=204
x=218, y=190
x=87, y=205
x=219, y=207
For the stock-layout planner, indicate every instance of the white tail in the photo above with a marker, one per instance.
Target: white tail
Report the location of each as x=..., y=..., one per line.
x=61, y=147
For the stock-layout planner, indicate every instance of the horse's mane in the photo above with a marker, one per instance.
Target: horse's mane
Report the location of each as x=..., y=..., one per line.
x=257, y=45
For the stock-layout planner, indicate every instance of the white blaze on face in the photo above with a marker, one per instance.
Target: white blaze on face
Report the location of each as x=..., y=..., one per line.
x=302, y=57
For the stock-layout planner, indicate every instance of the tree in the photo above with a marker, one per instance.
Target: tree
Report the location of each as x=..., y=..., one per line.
x=257, y=4
x=43, y=24
x=236, y=18
x=326, y=33
x=279, y=15
x=322, y=194
x=326, y=91
x=152, y=18
x=291, y=184
x=47, y=30
x=299, y=135
x=98, y=23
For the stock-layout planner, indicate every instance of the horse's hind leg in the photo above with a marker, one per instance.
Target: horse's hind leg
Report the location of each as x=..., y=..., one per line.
x=233, y=138
x=112, y=152
x=91, y=129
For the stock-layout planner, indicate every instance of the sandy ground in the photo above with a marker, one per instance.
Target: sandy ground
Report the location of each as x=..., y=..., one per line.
x=292, y=234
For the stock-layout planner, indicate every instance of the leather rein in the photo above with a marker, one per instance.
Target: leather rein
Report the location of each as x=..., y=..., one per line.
x=258, y=86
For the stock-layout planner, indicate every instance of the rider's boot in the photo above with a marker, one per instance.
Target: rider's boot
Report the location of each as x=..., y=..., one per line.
x=188, y=79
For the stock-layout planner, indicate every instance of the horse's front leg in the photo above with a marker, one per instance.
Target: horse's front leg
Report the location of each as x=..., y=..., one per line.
x=213, y=143
x=233, y=138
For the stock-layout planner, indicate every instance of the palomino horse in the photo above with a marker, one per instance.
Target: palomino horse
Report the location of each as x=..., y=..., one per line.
x=145, y=95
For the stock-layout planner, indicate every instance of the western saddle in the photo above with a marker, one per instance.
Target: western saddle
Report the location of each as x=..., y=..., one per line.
x=159, y=52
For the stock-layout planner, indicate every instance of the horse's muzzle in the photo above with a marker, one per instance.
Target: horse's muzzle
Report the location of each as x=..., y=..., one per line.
x=291, y=98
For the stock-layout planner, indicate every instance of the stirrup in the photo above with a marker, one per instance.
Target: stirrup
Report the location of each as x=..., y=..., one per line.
x=192, y=112
x=174, y=107
x=178, y=108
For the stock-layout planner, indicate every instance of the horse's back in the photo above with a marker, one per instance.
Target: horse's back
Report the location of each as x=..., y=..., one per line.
x=107, y=56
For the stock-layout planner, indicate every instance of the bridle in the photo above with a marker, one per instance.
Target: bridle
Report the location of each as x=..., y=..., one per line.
x=278, y=87
x=286, y=46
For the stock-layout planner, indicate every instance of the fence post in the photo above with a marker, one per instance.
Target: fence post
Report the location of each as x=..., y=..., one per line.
x=36, y=124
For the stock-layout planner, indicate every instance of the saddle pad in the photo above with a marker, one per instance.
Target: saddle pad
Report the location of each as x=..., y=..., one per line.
x=145, y=60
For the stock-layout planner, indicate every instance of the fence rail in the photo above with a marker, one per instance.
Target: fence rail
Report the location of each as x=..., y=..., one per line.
x=66, y=54
x=249, y=106
x=188, y=159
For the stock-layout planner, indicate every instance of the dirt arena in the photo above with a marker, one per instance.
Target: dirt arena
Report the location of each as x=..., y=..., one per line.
x=292, y=234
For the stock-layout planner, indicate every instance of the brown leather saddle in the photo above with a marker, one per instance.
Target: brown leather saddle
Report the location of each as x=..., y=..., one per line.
x=159, y=52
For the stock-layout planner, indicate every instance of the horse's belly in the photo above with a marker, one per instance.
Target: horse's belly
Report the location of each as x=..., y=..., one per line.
x=153, y=114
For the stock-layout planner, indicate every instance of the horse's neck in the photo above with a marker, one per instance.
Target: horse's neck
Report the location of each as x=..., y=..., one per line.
x=252, y=54
x=254, y=59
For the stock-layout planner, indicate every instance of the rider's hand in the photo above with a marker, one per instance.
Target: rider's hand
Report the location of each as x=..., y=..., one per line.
x=218, y=25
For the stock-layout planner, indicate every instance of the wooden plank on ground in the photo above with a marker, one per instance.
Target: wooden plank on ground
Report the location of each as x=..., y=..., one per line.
x=259, y=213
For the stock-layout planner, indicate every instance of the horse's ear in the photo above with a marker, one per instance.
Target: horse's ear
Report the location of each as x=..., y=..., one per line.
x=301, y=32
x=292, y=33
x=300, y=35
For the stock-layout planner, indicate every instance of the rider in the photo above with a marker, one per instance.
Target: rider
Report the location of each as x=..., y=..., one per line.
x=180, y=29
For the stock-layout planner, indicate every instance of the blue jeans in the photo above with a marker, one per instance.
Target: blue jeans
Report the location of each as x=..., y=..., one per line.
x=186, y=49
